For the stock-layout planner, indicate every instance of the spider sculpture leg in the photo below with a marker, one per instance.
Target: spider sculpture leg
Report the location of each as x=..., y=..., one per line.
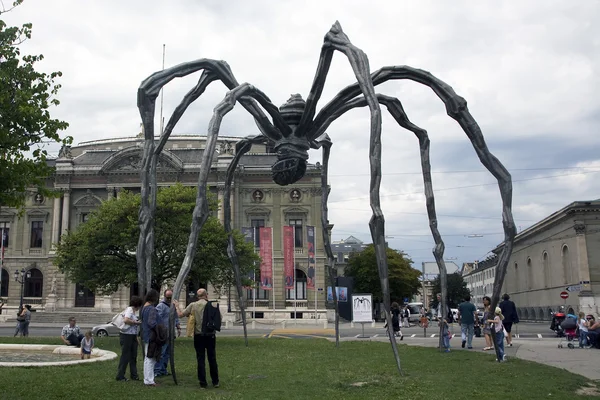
x=325, y=142
x=241, y=148
x=456, y=108
x=147, y=94
x=395, y=108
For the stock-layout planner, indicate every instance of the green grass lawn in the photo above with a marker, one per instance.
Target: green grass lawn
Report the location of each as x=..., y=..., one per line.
x=301, y=369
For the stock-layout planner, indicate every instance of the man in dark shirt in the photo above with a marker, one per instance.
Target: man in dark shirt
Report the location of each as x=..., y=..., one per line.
x=509, y=310
x=467, y=314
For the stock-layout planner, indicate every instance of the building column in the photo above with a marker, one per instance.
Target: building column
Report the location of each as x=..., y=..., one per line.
x=66, y=211
x=221, y=197
x=56, y=221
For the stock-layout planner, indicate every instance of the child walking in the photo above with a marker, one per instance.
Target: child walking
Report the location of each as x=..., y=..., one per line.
x=87, y=344
x=446, y=335
x=498, y=327
x=583, y=330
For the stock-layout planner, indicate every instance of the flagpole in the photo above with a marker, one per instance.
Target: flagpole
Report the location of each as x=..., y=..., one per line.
x=272, y=276
x=254, y=283
x=315, y=277
x=1, y=256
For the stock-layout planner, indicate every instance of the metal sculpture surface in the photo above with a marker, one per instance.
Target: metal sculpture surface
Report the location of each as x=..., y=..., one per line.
x=293, y=130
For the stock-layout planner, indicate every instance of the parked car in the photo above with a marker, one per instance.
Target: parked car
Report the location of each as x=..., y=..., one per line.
x=107, y=329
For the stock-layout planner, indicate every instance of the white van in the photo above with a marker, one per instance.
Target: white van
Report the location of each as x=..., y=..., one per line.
x=415, y=311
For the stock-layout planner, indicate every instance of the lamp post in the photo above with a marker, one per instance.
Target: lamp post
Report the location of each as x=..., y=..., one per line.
x=24, y=276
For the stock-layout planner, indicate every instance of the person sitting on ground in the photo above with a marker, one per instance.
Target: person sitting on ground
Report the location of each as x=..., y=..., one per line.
x=593, y=331
x=87, y=345
x=71, y=334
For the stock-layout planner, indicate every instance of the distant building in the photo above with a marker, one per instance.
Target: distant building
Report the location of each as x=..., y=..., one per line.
x=479, y=277
x=343, y=248
x=559, y=253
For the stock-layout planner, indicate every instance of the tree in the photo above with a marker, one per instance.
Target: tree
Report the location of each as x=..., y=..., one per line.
x=404, y=280
x=100, y=253
x=25, y=123
x=457, y=290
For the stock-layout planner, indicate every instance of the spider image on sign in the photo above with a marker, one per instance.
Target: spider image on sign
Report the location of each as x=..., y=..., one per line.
x=292, y=130
x=364, y=302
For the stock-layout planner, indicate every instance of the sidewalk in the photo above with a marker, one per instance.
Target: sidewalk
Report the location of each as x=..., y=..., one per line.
x=543, y=351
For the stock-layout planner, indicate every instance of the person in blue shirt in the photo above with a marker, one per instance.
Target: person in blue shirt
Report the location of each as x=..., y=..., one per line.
x=163, y=308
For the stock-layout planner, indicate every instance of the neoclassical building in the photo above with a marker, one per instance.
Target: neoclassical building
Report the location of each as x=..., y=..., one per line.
x=559, y=253
x=96, y=171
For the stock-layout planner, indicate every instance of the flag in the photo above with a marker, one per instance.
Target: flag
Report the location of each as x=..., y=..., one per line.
x=288, y=256
x=266, y=255
x=310, y=281
x=249, y=237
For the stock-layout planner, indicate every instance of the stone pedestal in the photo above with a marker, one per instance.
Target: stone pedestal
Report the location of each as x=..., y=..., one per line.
x=51, y=301
x=106, y=305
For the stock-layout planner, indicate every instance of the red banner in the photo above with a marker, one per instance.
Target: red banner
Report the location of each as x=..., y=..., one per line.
x=312, y=265
x=266, y=255
x=288, y=256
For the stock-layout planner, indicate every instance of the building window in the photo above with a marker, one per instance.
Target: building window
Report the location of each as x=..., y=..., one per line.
x=546, y=266
x=4, y=286
x=256, y=224
x=517, y=280
x=4, y=232
x=84, y=217
x=566, y=266
x=33, y=285
x=300, y=292
x=37, y=230
x=529, y=274
x=297, y=224
x=260, y=294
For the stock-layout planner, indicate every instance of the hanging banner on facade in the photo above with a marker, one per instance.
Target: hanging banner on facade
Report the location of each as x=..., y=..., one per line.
x=266, y=255
x=288, y=256
x=248, y=233
x=312, y=265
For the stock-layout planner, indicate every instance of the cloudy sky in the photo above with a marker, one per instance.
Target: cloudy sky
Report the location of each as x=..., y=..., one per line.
x=529, y=71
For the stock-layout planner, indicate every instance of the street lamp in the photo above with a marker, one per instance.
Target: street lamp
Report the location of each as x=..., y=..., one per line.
x=24, y=276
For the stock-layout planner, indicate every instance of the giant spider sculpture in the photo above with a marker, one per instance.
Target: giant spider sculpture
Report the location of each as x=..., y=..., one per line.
x=293, y=130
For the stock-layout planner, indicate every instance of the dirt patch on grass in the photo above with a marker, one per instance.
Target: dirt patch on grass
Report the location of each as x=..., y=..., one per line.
x=589, y=390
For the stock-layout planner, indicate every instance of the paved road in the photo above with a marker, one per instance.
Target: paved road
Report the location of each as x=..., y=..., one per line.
x=524, y=330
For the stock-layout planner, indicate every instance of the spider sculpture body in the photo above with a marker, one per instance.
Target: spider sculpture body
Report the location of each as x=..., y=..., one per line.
x=293, y=129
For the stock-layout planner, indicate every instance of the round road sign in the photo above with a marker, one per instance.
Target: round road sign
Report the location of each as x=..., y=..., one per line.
x=564, y=295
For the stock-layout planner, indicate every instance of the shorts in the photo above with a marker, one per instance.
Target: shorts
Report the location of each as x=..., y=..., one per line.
x=84, y=351
x=507, y=326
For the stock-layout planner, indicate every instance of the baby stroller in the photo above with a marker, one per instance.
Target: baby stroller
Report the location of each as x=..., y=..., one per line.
x=569, y=328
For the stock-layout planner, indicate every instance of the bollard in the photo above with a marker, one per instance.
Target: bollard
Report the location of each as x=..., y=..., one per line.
x=253, y=324
x=325, y=324
x=373, y=324
x=282, y=324
x=351, y=324
x=227, y=324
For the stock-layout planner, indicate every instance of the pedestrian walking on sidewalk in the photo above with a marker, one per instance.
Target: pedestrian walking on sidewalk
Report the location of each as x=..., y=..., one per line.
x=499, y=329
x=509, y=310
x=467, y=314
x=487, y=332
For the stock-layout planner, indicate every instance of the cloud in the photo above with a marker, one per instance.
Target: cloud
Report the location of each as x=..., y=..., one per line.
x=529, y=71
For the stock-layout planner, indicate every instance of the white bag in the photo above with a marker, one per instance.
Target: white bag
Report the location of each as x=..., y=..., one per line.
x=119, y=320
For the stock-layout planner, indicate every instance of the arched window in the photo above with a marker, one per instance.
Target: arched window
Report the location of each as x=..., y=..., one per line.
x=546, y=267
x=529, y=274
x=567, y=269
x=4, y=287
x=300, y=292
x=34, y=285
x=517, y=280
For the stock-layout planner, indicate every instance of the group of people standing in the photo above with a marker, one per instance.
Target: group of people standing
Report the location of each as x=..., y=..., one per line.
x=152, y=327
x=501, y=320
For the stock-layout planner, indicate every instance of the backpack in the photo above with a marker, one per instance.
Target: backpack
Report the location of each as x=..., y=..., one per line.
x=211, y=319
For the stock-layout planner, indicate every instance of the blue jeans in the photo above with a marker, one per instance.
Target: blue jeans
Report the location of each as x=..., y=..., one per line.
x=467, y=331
x=500, y=343
x=583, y=338
x=161, y=365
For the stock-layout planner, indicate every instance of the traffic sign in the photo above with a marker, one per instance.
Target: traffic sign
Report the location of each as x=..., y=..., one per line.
x=564, y=295
x=573, y=288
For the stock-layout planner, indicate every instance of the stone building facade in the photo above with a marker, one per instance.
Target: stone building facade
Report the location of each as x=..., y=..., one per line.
x=97, y=171
x=559, y=253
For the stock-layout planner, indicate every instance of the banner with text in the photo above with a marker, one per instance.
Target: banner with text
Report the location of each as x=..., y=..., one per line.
x=288, y=256
x=248, y=233
x=310, y=234
x=266, y=255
